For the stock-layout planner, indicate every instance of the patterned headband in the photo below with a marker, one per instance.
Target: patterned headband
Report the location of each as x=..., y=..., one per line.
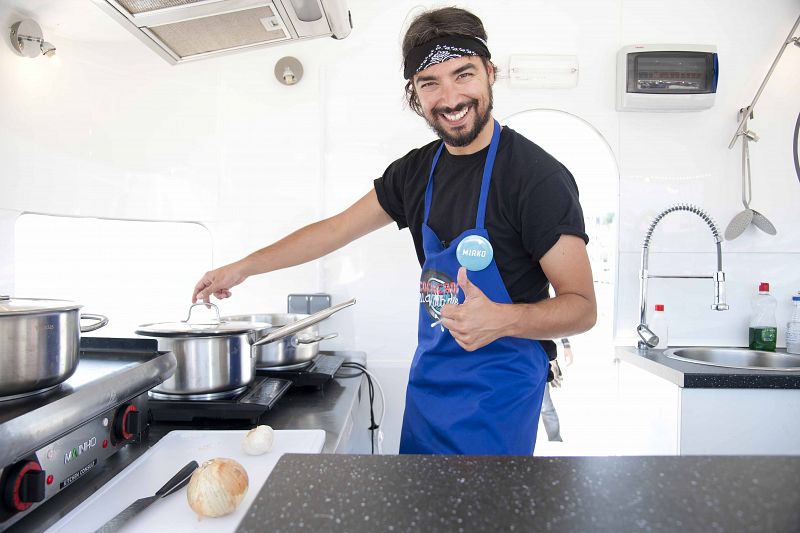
x=443, y=49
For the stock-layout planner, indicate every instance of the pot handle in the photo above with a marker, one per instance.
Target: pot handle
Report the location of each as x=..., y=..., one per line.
x=303, y=323
x=101, y=321
x=312, y=340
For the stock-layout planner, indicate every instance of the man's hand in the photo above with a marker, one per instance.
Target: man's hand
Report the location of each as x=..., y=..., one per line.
x=219, y=282
x=476, y=322
x=568, y=355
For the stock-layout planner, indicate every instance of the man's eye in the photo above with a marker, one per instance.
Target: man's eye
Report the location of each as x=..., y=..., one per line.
x=464, y=75
x=427, y=85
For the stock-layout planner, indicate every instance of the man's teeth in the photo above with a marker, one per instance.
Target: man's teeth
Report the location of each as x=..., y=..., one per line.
x=456, y=116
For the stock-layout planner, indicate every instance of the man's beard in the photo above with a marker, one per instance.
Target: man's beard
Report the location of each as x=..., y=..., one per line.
x=464, y=137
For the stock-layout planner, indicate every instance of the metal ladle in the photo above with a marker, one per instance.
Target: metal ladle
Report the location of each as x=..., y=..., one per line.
x=743, y=219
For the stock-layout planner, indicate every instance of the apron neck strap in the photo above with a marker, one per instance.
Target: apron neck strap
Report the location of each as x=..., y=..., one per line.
x=487, y=175
x=487, y=178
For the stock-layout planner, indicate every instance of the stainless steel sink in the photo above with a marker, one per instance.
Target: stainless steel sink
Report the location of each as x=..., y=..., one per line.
x=736, y=358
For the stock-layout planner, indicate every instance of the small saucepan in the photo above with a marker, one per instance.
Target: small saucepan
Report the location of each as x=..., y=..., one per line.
x=292, y=351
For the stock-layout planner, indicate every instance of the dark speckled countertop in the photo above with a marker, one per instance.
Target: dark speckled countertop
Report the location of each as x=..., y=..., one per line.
x=356, y=493
x=698, y=376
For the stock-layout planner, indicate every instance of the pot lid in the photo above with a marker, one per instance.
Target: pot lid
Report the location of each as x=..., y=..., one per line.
x=209, y=328
x=186, y=329
x=30, y=306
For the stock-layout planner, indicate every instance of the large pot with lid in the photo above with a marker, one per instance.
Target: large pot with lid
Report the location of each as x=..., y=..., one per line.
x=39, y=342
x=213, y=357
x=218, y=356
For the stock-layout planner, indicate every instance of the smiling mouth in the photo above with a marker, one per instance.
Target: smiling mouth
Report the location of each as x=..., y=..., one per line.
x=458, y=116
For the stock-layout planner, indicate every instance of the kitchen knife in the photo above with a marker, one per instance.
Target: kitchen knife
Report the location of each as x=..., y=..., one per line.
x=178, y=480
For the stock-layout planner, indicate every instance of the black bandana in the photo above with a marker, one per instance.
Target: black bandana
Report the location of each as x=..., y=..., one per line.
x=442, y=49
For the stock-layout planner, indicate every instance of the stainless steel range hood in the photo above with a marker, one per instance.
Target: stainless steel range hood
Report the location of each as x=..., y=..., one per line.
x=187, y=30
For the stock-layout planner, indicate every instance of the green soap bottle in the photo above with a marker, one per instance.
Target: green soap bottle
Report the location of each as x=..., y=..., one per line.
x=763, y=325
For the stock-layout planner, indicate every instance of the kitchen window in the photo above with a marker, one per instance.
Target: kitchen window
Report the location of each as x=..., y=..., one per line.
x=131, y=271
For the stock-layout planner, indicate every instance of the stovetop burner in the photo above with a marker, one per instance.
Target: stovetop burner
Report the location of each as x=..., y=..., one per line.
x=317, y=373
x=224, y=395
x=249, y=404
x=53, y=438
x=28, y=394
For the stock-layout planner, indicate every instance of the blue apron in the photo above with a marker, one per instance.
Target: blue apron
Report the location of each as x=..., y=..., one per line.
x=484, y=402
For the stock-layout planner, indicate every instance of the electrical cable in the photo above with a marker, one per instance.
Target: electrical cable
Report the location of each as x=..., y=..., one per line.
x=371, y=392
x=372, y=381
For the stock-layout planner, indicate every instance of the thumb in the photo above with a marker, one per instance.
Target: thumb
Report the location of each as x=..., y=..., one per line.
x=470, y=289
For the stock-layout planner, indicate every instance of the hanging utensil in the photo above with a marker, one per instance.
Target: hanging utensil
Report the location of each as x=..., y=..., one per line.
x=744, y=218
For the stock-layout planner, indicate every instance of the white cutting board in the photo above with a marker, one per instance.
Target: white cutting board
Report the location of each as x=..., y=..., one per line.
x=149, y=472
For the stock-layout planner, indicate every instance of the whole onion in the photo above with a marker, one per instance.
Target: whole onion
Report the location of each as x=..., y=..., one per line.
x=217, y=487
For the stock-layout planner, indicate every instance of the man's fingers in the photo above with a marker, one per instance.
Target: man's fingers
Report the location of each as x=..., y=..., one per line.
x=202, y=289
x=470, y=290
x=448, y=311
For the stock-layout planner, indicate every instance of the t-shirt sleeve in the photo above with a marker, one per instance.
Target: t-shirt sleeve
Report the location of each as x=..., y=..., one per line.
x=389, y=189
x=550, y=208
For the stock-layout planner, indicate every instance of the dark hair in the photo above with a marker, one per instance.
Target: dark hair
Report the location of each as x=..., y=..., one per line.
x=440, y=23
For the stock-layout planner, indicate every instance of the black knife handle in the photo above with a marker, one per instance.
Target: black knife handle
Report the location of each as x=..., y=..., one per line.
x=178, y=480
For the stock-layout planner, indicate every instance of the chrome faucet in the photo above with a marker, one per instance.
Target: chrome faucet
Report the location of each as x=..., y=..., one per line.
x=648, y=338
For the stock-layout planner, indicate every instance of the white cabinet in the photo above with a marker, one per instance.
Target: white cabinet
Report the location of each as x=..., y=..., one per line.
x=661, y=418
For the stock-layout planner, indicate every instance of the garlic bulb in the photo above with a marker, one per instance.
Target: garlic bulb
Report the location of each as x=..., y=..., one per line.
x=258, y=440
x=217, y=487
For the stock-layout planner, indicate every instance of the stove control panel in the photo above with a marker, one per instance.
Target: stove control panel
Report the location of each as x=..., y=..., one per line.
x=40, y=475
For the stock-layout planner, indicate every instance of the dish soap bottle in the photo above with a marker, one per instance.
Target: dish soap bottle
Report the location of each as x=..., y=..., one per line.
x=793, y=327
x=658, y=325
x=763, y=325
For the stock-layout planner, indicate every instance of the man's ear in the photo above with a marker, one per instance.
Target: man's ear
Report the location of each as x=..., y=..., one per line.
x=490, y=70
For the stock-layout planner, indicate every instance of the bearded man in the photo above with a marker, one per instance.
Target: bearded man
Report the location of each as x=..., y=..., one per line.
x=495, y=221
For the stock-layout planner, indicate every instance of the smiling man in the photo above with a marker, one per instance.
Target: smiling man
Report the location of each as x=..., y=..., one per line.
x=495, y=221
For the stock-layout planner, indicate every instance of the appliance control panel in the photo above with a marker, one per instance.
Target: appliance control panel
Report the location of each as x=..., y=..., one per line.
x=38, y=476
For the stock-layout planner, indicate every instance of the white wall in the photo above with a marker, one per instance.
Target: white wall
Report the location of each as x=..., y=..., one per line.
x=116, y=132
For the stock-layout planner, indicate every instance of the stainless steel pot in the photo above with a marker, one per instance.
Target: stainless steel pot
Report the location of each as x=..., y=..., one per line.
x=298, y=326
x=291, y=351
x=39, y=342
x=213, y=357
x=218, y=356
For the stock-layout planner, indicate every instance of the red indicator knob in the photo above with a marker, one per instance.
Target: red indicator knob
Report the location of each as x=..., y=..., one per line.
x=24, y=486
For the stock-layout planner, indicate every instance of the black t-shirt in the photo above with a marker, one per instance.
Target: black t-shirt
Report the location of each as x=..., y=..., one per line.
x=533, y=200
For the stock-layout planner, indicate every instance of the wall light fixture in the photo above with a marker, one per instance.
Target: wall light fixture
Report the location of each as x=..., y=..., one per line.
x=288, y=70
x=27, y=40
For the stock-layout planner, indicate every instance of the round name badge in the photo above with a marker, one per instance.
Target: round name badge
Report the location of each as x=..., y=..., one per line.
x=474, y=253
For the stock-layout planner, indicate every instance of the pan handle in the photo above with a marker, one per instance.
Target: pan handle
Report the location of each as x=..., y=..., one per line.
x=101, y=321
x=303, y=323
x=312, y=340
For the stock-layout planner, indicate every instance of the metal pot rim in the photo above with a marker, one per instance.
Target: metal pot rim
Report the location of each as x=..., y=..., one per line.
x=187, y=330
x=34, y=306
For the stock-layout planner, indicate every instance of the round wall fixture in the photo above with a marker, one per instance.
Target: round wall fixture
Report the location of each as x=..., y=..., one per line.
x=288, y=70
x=26, y=38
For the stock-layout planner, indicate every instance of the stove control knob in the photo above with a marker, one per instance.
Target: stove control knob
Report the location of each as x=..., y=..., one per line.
x=24, y=486
x=128, y=423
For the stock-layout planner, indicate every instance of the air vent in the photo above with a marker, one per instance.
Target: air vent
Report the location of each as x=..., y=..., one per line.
x=184, y=30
